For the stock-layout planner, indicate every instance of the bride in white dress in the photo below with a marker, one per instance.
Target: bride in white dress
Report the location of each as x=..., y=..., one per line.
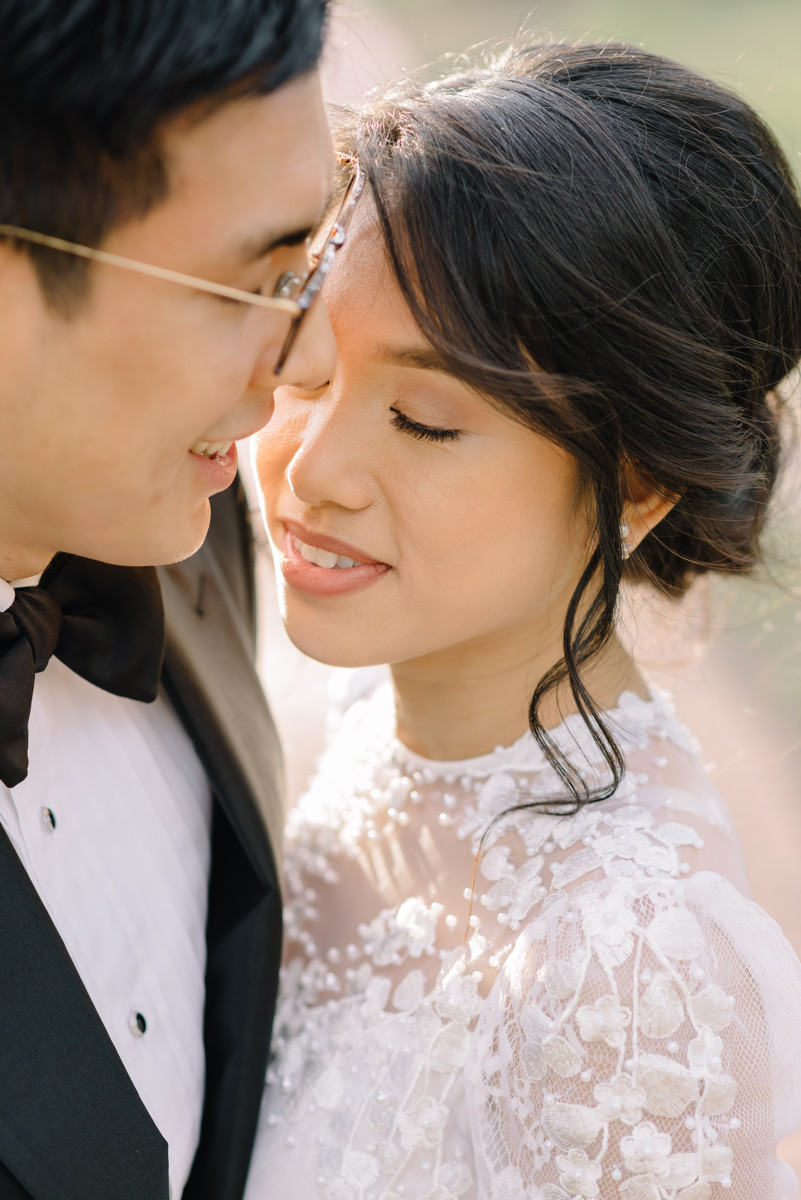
x=521, y=957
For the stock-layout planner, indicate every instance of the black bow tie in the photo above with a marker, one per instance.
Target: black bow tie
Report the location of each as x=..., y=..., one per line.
x=104, y=622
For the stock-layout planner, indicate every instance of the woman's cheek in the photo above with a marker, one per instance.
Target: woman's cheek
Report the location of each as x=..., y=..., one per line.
x=278, y=443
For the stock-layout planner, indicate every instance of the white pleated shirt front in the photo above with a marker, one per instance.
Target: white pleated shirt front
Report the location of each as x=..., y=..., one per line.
x=113, y=827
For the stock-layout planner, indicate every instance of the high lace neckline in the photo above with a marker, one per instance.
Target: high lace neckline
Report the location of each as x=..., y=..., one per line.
x=565, y=1005
x=629, y=719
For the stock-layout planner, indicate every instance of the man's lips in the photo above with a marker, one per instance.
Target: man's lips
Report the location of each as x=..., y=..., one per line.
x=217, y=468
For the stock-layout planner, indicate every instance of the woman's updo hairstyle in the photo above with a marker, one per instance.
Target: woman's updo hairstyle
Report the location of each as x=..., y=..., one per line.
x=608, y=246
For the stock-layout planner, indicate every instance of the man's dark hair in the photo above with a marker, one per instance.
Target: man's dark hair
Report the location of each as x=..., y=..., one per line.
x=85, y=84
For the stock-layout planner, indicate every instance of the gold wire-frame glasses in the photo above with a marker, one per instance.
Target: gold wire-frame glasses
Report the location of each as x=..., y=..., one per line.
x=293, y=294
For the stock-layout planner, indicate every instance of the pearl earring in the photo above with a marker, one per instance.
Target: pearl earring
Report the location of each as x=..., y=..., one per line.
x=626, y=547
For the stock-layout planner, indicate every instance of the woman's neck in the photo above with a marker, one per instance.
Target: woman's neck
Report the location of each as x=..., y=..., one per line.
x=466, y=702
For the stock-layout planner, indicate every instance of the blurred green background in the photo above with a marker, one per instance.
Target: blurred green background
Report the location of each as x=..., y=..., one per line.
x=754, y=47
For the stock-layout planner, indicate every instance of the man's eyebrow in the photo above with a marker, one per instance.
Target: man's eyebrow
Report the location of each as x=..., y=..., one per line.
x=423, y=359
x=261, y=245
x=254, y=248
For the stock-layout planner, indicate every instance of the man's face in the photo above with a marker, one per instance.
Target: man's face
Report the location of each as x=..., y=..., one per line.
x=105, y=417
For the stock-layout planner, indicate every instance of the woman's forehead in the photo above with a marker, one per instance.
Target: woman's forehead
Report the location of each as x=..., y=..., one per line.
x=362, y=284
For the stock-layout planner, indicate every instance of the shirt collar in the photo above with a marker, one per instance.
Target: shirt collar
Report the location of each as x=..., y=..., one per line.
x=7, y=590
x=6, y=595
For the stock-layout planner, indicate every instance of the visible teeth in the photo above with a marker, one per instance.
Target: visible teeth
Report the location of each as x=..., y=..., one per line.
x=210, y=449
x=324, y=558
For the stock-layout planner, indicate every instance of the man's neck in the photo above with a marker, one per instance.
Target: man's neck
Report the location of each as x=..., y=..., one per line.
x=21, y=562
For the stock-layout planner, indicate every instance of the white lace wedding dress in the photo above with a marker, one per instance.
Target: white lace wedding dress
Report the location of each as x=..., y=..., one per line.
x=610, y=1016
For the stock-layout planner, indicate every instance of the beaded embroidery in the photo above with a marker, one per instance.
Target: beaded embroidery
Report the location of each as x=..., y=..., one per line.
x=571, y=1028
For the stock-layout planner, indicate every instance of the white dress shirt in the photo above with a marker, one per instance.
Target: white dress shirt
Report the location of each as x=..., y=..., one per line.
x=112, y=825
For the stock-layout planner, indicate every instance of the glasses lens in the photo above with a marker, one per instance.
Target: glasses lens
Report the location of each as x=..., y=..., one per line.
x=323, y=248
x=331, y=223
x=318, y=240
x=288, y=286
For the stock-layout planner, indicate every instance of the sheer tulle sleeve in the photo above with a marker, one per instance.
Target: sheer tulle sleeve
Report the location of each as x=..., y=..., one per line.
x=484, y=1001
x=642, y=1041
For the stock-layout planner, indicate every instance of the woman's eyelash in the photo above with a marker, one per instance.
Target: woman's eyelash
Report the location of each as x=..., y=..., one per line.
x=424, y=432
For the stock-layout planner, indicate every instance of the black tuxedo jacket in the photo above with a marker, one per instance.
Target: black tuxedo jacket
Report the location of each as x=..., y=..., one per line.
x=72, y=1126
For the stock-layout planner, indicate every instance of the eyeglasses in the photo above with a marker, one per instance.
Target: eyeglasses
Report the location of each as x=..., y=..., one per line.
x=293, y=294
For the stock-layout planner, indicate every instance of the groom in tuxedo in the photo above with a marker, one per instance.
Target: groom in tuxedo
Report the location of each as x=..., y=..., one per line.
x=162, y=163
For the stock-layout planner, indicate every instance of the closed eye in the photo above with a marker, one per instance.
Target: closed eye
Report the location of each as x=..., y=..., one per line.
x=428, y=433
x=289, y=283
x=287, y=286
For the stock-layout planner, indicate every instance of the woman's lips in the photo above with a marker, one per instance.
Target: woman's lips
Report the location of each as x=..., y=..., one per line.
x=325, y=577
x=323, y=541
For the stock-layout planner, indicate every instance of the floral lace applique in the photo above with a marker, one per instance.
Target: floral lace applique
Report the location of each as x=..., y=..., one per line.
x=583, y=1022
x=646, y=1049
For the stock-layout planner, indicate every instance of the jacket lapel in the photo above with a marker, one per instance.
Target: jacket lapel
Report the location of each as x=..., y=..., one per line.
x=87, y=1128
x=209, y=675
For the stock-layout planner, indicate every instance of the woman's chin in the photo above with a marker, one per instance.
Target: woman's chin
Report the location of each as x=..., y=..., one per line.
x=332, y=652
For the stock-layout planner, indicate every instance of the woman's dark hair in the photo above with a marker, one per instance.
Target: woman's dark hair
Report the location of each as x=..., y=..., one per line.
x=608, y=246
x=85, y=84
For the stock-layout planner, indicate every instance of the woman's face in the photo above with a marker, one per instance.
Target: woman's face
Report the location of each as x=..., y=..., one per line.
x=464, y=526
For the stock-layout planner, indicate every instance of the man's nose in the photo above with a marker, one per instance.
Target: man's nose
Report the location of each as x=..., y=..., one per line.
x=310, y=362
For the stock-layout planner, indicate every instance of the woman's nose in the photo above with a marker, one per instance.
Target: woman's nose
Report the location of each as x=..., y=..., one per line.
x=336, y=459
